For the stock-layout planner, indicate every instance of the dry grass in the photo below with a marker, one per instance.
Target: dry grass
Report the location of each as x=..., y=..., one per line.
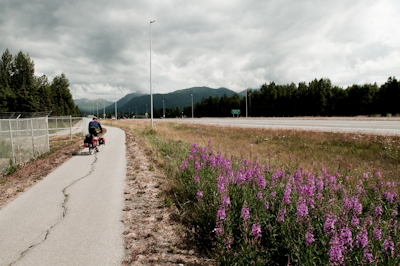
x=313, y=149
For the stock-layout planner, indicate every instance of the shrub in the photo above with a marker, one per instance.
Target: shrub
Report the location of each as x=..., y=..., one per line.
x=256, y=214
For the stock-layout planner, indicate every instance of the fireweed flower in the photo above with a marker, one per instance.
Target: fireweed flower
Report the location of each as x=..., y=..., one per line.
x=302, y=211
x=346, y=236
x=221, y=215
x=259, y=195
x=387, y=244
x=377, y=234
x=266, y=205
x=197, y=166
x=378, y=210
x=309, y=238
x=368, y=256
x=256, y=231
x=336, y=251
x=273, y=195
x=286, y=194
x=245, y=211
x=329, y=223
x=281, y=215
x=362, y=239
x=390, y=197
x=184, y=165
x=226, y=201
x=355, y=221
x=199, y=194
x=196, y=179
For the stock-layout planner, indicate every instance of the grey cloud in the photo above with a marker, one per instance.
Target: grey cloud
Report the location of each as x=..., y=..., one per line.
x=103, y=45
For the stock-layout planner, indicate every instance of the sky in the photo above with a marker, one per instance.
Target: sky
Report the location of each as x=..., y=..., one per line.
x=103, y=47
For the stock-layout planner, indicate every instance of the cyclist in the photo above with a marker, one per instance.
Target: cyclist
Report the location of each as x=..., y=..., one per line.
x=95, y=127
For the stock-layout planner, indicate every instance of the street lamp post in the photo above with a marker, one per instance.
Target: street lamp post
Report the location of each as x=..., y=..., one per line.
x=163, y=107
x=246, y=96
x=151, y=90
x=116, y=105
x=192, y=105
x=97, y=103
x=135, y=112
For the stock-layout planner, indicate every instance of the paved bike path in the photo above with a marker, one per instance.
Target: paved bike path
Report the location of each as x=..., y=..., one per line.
x=73, y=216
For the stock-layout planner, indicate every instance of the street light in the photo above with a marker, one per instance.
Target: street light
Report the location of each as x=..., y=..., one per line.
x=151, y=91
x=163, y=107
x=192, y=105
x=116, y=103
x=136, y=112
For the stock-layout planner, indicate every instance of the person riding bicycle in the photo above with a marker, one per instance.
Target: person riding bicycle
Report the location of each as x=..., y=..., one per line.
x=95, y=127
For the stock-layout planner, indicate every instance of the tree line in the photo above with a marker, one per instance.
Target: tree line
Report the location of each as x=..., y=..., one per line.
x=22, y=91
x=317, y=98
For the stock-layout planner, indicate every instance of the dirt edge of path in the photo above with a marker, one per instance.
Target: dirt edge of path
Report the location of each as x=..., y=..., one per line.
x=152, y=235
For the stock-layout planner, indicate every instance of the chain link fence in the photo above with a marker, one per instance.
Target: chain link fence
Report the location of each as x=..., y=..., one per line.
x=22, y=139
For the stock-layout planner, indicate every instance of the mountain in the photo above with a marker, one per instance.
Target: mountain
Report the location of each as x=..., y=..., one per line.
x=179, y=98
x=90, y=106
x=78, y=101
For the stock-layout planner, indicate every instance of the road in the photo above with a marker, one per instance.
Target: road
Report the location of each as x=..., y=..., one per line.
x=73, y=216
x=380, y=126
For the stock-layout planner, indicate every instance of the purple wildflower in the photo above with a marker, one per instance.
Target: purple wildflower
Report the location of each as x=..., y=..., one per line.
x=184, y=165
x=330, y=224
x=282, y=214
x=245, y=211
x=196, y=179
x=221, y=215
x=346, y=236
x=302, y=211
x=266, y=205
x=336, y=251
x=362, y=239
x=355, y=221
x=199, y=194
x=388, y=244
x=378, y=210
x=368, y=256
x=309, y=238
x=377, y=234
x=256, y=231
x=273, y=195
x=390, y=197
x=226, y=201
x=259, y=195
x=286, y=194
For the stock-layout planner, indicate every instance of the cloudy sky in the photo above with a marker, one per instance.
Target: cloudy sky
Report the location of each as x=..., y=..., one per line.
x=103, y=47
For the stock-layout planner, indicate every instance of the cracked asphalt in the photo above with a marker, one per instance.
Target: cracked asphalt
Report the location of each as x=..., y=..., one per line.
x=73, y=216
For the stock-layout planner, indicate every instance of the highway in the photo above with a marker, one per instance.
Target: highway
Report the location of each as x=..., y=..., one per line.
x=378, y=126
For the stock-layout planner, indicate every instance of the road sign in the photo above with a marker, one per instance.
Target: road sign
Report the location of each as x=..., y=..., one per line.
x=235, y=111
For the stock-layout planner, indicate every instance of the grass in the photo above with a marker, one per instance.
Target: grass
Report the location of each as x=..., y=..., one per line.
x=248, y=213
x=360, y=152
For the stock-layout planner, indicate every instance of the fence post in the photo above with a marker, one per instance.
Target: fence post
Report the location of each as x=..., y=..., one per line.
x=70, y=125
x=47, y=133
x=19, y=150
x=12, y=144
x=56, y=126
x=33, y=140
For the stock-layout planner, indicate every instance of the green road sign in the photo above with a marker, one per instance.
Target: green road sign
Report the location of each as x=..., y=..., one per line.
x=236, y=111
